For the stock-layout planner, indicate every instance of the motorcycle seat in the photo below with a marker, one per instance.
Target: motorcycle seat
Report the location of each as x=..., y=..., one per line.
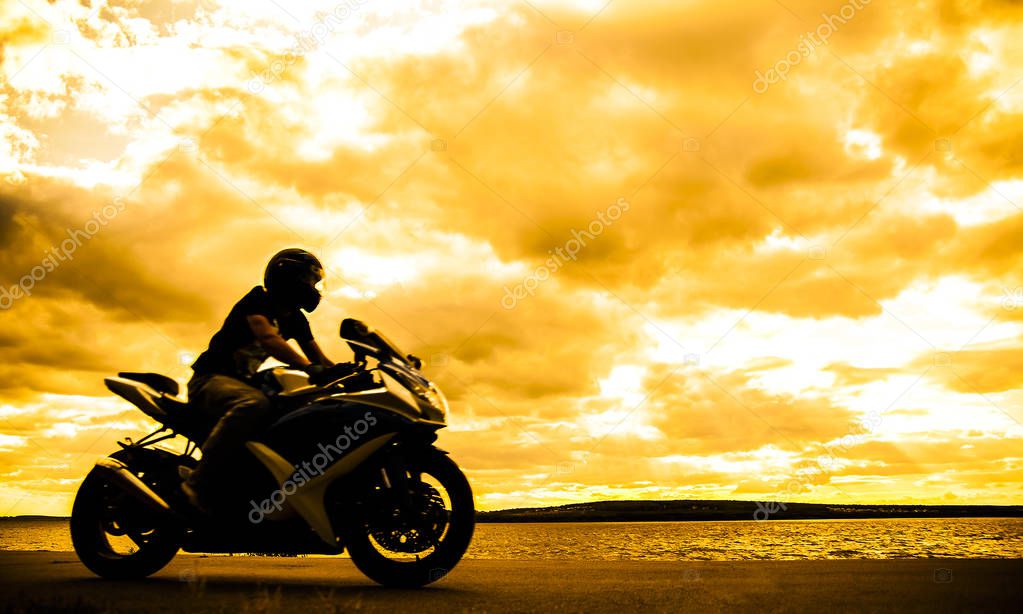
x=172, y=405
x=157, y=403
x=156, y=381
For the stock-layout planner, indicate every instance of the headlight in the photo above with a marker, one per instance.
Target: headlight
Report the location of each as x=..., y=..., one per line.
x=437, y=400
x=434, y=399
x=432, y=402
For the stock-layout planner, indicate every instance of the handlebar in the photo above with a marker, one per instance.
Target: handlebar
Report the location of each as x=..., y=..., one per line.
x=332, y=374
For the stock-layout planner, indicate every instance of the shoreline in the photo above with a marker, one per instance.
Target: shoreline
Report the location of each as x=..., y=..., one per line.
x=549, y=520
x=770, y=519
x=554, y=559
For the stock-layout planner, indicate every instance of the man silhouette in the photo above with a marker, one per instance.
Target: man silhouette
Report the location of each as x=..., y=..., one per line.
x=258, y=326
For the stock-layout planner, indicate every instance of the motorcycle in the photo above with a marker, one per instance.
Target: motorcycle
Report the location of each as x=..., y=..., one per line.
x=349, y=464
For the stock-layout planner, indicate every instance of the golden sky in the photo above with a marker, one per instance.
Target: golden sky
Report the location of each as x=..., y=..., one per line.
x=665, y=249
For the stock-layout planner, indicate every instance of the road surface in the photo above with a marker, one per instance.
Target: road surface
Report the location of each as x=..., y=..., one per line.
x=33, y=581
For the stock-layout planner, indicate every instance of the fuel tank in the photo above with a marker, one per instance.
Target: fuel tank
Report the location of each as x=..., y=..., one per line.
x=328, y=430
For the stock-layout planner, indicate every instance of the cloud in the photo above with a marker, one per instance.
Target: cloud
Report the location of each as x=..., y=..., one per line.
x=56, y=242
x=725, y=413
x=789, y=261
x=983, y=370
x=851, y=375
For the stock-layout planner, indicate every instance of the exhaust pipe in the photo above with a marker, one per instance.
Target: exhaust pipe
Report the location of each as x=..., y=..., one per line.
x=119, y=474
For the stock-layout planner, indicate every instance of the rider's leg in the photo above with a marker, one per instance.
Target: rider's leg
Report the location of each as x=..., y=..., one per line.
x=243, y=411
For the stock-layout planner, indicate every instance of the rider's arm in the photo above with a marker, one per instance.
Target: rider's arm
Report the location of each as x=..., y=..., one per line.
x=275, y=345
x=315, y=353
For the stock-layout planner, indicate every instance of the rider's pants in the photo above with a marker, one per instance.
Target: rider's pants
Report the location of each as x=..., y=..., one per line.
x=240, y=412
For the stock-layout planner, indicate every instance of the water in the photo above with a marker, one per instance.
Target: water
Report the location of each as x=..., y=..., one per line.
x=749, y=540
x=671, y=541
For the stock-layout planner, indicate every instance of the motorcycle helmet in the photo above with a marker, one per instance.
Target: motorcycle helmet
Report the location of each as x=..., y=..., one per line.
x=291, y=278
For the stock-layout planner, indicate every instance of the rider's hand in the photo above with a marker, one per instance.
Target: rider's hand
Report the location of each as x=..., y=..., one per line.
x=315, y=372
x=319, y=374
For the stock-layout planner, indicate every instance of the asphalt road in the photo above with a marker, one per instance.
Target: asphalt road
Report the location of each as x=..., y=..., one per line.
x=34, y=581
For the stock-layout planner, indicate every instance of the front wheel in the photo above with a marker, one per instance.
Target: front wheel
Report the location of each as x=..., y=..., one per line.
x=414, y=530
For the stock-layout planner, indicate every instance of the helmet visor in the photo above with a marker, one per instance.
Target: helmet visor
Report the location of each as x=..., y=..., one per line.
x=313, y=277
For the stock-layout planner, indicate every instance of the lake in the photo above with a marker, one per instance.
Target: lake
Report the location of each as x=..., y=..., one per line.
x=671, y=541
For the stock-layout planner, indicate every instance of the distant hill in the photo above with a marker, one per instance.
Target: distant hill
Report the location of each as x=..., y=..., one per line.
x=699, y=509
x=621, y=511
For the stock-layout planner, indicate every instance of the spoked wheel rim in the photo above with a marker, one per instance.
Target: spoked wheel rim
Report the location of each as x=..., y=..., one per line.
x=116, y=538
x=113, y=534
x=404, y=539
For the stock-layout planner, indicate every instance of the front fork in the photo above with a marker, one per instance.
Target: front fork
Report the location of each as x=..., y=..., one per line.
x=399, y=477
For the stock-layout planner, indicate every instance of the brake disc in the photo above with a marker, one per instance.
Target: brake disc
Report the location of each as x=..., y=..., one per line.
x=398, y=533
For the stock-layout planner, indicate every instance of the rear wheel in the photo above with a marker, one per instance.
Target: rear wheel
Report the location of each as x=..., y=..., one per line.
x=417, y=536
x=115, y=536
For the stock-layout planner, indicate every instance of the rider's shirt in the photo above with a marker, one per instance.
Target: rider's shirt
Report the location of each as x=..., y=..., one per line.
x=234, y=349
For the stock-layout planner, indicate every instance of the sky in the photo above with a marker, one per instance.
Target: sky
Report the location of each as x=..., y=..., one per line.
x=761, y=250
